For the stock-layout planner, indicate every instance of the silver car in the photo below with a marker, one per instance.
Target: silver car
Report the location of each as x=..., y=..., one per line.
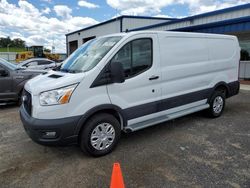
x=38, y=64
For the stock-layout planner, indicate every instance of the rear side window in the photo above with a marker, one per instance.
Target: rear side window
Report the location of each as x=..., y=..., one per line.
x=42, y=62
x=135, y=56
x=32, y=63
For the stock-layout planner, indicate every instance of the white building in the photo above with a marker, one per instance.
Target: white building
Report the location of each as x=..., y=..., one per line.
x=233, y=21
x=116, y=25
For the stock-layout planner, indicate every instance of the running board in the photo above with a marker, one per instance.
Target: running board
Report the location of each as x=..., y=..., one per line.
x=148, y=123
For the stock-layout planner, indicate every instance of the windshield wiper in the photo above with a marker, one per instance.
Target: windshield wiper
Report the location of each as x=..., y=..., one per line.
x=70, y=71
x=64, y=70
x=74, y=71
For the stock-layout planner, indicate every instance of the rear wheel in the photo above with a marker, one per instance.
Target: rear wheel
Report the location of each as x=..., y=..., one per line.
x=217, y=104
x=100, y=134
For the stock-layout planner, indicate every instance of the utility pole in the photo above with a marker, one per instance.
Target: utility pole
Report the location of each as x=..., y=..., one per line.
x=8, y=48
x=53, y=46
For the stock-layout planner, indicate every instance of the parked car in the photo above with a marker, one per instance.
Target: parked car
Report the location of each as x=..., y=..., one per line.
x=38, y=64
x=130, y=81
x=12, y=80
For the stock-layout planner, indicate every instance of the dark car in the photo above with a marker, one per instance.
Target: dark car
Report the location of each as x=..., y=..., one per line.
x=12, y=80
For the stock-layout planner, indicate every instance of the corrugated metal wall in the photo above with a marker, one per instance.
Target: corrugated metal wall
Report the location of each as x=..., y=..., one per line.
x=111, y=27
x=194, y=23
x=105, y=29
x=244, y=70
x=132, y=23
x=196, y=20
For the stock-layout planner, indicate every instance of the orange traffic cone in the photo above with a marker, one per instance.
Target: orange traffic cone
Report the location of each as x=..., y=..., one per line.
x=116, y=178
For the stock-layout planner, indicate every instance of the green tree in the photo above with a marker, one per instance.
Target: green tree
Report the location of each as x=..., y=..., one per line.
x=16, y=43
x=244, y=55
x=47, y=50
x=4, y=42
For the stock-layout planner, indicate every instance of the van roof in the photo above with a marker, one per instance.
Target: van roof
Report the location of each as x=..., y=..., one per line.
x=172, y=33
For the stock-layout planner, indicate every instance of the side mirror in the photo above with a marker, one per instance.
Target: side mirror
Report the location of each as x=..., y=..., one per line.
x=117, y=72
x=3, y=72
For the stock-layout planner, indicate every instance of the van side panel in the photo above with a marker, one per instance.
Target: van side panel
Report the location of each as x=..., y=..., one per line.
x=196, y=63
x=181, y=51
x=224, y=56
x=184, y=62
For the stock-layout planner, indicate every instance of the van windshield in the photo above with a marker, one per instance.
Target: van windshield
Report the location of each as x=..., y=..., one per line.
x=89, y=55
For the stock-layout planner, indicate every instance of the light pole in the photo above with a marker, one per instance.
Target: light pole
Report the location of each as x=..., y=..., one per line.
x=8, y=47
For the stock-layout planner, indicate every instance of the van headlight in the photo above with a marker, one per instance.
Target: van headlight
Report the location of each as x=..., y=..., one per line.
x=57, y=96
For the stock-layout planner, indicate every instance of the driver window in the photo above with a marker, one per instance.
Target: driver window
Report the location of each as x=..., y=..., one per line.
x=33, y=63
x=124, y=57
x=44, y=62
x=135, y=56
x=3, y=72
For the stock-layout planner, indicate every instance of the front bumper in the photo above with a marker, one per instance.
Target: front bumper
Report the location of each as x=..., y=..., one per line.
x=37, y=129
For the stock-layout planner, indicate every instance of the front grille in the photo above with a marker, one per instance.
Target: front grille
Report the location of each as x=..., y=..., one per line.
x=27, y=101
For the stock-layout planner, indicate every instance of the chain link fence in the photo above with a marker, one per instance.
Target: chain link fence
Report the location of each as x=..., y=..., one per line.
x=245, y=70
x=9, y=56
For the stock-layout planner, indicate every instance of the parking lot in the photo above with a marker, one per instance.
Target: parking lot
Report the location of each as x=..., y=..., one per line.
x=192, y=151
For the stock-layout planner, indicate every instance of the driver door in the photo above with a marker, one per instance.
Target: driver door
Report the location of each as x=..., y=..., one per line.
x=5, y=85
x=138, y=95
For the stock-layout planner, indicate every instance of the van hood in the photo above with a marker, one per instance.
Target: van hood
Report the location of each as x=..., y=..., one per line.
x=52, y=80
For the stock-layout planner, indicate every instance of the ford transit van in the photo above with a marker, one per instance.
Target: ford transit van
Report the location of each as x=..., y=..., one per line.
x=129, y=81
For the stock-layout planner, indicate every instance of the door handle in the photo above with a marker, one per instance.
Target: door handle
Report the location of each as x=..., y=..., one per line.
x=153, y=77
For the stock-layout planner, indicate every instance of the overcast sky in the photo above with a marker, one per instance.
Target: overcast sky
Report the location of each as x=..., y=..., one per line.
x=44, y=22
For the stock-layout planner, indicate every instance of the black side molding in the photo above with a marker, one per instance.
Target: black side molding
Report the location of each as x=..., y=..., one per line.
x=165, y=104
x=160, y=105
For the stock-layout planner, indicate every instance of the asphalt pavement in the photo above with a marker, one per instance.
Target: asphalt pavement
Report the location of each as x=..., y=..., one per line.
x=192, y=151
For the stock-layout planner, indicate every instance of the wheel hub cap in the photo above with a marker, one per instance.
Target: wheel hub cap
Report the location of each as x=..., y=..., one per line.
x=218, y=104
x=102, y=136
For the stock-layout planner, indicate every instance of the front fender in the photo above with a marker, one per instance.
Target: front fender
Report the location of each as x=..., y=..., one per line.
x=97, y=109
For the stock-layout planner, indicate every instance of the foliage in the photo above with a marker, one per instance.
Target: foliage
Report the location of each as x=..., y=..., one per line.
x=46, y=50
x=15, y=43
x=244, y=55
x=10, y=49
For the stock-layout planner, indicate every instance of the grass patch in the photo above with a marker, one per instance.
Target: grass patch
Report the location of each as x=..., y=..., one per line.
x=11, y=49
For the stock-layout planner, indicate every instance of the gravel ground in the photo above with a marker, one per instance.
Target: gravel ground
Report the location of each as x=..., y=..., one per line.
x=192, y=151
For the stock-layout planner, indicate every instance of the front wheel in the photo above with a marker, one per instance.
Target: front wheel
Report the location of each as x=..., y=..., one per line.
x=217, y=104
x=100, y=134
x=19, y=99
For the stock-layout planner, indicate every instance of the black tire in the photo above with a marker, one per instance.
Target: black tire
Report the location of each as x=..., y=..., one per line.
x=89, y=127
x=19, y=100
x=213, y=112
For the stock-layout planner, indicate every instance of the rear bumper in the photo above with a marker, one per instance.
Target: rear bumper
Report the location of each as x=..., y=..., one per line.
x=37, y=129
x=233, y=88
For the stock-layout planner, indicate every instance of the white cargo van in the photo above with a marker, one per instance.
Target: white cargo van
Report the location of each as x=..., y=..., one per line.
x=129, y=81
